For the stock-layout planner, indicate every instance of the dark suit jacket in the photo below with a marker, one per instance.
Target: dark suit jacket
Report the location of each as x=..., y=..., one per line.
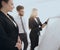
x=8, y=33
x=34, y=26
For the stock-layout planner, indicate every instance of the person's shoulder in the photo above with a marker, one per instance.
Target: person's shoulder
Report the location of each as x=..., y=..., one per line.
x=30, y=18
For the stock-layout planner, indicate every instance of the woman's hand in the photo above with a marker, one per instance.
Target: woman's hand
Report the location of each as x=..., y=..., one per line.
x=19, y=40
x=19, y=44
x=45, y=23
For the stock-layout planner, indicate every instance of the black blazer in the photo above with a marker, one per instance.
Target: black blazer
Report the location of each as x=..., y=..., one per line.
x=8, y=33
x=34, y=26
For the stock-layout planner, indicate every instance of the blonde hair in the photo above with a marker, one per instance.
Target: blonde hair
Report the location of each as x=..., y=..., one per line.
x=34, y=9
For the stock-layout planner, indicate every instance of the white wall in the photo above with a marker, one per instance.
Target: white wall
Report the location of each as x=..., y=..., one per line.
x=51, y=38
x=47, y=8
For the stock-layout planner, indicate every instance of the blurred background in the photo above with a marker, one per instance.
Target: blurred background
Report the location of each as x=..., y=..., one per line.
x=46, y=9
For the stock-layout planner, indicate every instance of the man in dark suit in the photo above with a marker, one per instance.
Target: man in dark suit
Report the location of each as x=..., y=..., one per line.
x=21, y=24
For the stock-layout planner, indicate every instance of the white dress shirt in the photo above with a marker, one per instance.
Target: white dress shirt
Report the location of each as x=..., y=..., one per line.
x=18, y=21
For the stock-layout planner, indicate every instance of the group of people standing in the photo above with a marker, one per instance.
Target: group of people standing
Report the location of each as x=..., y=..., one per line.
x=12, y=31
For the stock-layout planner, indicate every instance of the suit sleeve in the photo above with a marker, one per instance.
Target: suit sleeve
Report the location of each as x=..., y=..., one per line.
x=5, y=40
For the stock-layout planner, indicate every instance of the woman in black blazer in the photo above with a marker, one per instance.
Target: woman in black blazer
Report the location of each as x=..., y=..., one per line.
x=8, y=27
x=36, y=26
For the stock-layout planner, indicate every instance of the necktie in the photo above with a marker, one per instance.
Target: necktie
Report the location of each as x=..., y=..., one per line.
x=23, y=25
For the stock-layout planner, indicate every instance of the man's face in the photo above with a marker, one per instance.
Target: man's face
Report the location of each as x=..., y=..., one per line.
x=21, y=12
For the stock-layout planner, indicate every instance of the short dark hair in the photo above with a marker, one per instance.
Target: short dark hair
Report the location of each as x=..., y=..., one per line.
x=19, y=7
x=1, y=2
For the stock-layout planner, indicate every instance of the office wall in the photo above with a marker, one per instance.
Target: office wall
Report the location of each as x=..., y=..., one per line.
x=50, y=40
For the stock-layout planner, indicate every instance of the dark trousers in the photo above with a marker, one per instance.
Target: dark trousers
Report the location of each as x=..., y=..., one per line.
x=34, y=40
x=23, y=37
